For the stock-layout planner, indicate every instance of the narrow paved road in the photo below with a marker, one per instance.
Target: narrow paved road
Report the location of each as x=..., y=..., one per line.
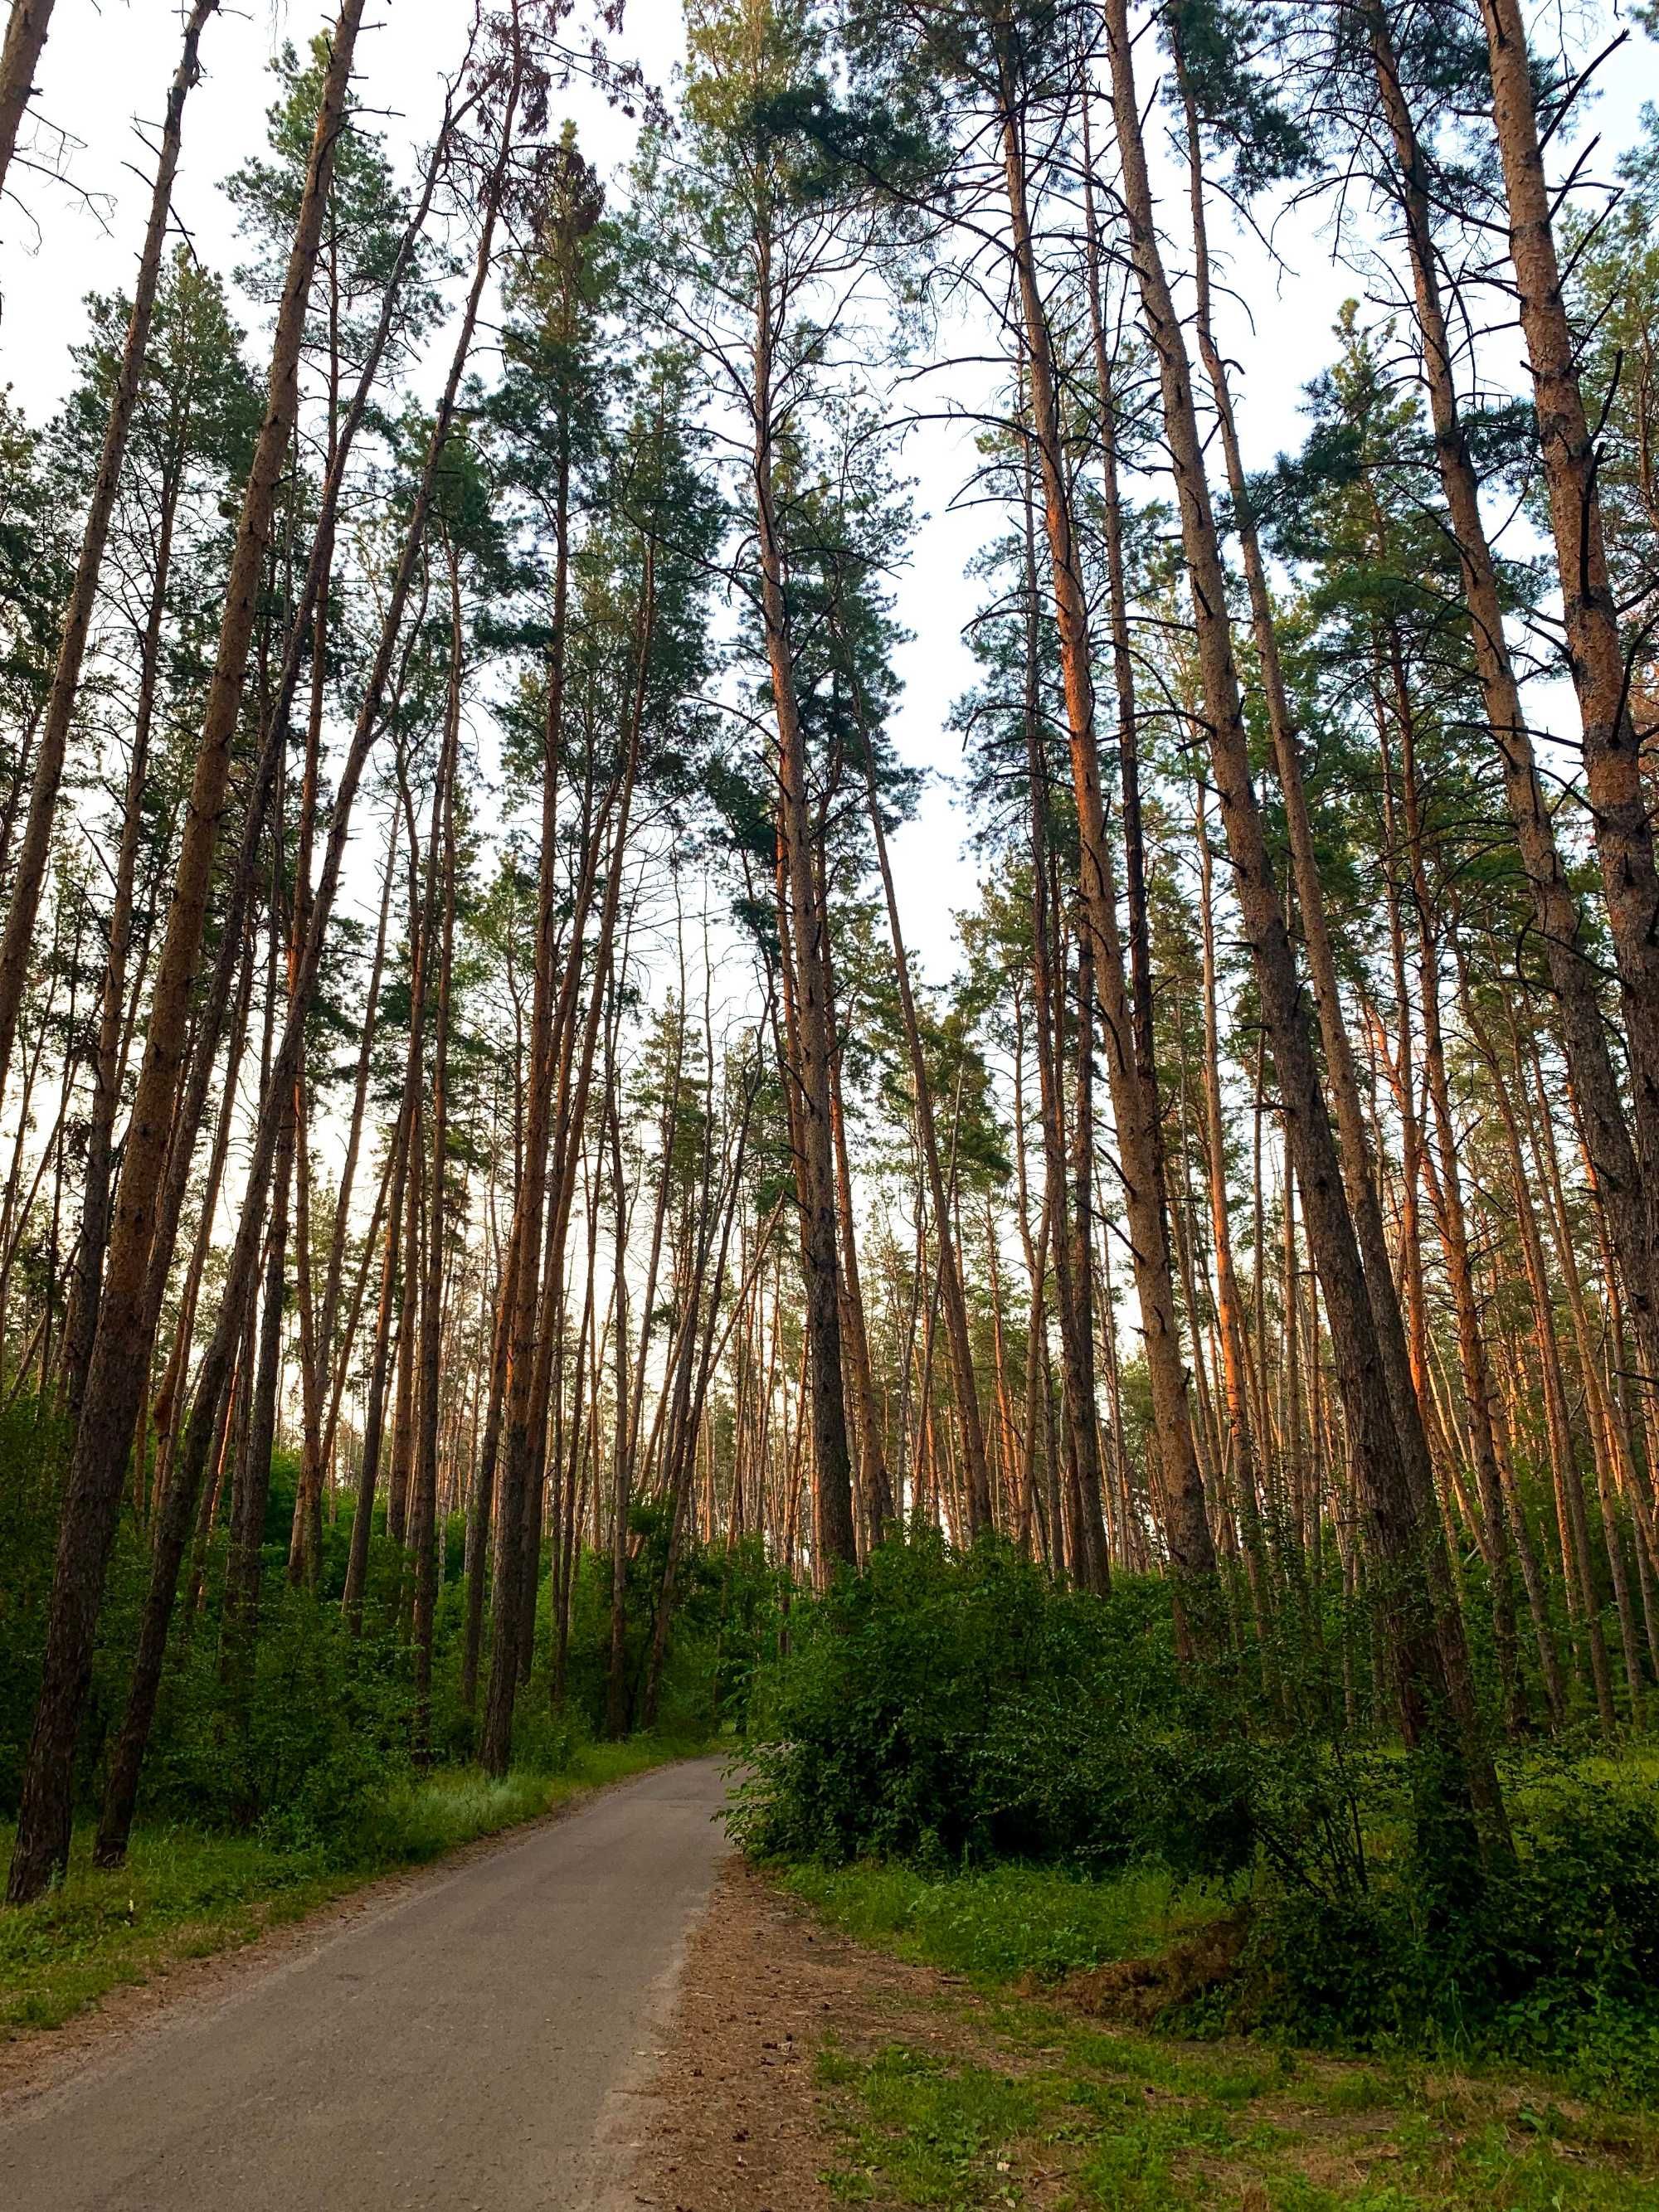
x=471, y=2043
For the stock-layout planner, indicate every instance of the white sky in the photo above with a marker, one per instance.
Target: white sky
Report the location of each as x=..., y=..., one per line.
x=107, y=66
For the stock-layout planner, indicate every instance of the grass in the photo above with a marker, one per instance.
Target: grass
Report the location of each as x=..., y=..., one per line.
x=1022, y=2102
x=185, y=1894
x=420, y=1819
x=1049, y=2112
x=934, y=2135
x=1008, y=1920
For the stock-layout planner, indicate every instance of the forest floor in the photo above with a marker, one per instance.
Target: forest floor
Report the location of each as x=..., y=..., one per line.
x=808, y=2070
x=608, y=2012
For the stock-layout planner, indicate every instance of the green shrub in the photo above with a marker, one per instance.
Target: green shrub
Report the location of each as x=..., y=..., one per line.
x=320, y=1726
x=942, y=1712
x=946, y=1708
x=1555, y=1962
x=322, y=1723
x=31, y=1454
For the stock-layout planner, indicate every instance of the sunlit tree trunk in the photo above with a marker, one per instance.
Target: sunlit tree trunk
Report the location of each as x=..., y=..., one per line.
x=277, y=1089
x=954, y=1294
x=19, y=58
x=1425, y=1634
x=810, y=1038
x=1229, y=1313
x=1192, y=1550
x=1555, y=906
x=423, y=1530
x=1595, y=656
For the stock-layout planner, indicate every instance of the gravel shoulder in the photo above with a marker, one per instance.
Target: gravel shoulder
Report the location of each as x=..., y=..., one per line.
x=736, y=2118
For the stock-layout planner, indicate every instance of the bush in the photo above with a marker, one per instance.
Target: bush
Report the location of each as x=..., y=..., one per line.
x=728, y=1604
x=320, y=1726
x=947, y=1708
x=957, y=1708
x=318, y=1732
x=942, y=1711
x=1554, y=1963
x=31, y=1454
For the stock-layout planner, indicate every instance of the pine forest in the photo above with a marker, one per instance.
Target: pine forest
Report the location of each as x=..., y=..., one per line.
x=829, y=926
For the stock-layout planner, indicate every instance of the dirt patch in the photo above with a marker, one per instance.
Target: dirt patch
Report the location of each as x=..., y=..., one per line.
x=1142, y=1990
x=736, y=2120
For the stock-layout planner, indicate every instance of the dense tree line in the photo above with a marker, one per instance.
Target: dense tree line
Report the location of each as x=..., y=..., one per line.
x=457, y=1027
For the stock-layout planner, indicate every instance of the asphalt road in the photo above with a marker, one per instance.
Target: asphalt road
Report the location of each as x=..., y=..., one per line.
x=473, y=2043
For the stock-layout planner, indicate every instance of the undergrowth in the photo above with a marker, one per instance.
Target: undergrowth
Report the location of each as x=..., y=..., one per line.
x=1040, y=2111
x=1013, y=1779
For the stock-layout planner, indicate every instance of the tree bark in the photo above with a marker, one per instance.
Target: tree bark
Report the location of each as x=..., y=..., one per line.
x=1556, y=913
x=1191, y=1550
x=521, y=1278
x=19, y=58
x=1600, y=677
x=956, y=1302
x=811, y=1042
x=277, y=1091
x=423, y=1533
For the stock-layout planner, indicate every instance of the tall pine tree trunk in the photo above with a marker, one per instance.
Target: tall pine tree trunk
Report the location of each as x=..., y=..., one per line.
x=116, y=1374
x=811, y=1040
x=1192, y=1550
x=19, y=58
x=24, y=40
x=1567, y=448
x=1424, y=1636
x=1555, y=907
